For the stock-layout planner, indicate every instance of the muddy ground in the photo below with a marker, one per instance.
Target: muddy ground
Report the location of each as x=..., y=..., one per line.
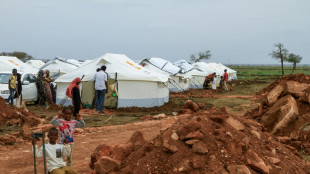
x=118, y=125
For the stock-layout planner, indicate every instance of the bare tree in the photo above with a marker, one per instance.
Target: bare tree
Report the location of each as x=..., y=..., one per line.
x=280, y=53
x=201, y=56
x=294, y=59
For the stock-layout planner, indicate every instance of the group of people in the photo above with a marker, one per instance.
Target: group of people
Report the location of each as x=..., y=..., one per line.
x=56, y=153
x=209, y=81
x=101, y=88
x=46, y=90
x=15, y=88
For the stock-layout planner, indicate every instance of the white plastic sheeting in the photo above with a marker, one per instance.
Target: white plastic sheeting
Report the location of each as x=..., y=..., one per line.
x=178, y=82
x=137, y=86
x=74, y=62
x=8, y=63
x=197, y=76
x=58, y=66
x=164, y=65
x=184, y=65
x=35, y=63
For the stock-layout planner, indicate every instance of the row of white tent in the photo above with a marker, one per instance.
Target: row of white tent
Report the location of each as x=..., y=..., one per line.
x=141, y=85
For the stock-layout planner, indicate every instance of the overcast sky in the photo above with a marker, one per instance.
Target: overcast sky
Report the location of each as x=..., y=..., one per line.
x=235, y=31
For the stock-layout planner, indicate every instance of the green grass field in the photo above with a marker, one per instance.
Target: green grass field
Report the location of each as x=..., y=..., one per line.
x=266, y=72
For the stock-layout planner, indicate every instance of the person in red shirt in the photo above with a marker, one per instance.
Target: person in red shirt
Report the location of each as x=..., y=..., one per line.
x=225, y=78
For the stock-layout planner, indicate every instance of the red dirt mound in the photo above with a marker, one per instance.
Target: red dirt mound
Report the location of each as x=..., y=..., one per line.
x=285, y=110
x=301, y=78
x=10, y=115
x=210, y=141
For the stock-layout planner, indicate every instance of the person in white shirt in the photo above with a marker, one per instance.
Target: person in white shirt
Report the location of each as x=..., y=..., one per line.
x=55, y=153
x=101, y=89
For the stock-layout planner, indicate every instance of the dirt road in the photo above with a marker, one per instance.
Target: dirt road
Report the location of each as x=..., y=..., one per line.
x=18, y=159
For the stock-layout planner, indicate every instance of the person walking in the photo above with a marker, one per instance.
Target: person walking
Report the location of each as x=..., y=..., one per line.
x=101, y=84
x=12, y=86
x=225, y=78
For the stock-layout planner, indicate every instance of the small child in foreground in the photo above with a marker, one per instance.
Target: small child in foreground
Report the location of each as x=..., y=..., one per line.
x=55, y=153
x=66, y=128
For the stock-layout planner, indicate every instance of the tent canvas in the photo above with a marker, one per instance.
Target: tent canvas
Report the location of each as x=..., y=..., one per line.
x=137, y=86
x=177, y=82
x=217, y=68
x=58, y=66
x=232, y=74
x=197, y=76
x=8, y=63
x=35, y=63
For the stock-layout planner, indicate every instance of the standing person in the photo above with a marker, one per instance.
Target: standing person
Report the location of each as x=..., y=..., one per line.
x=55, y=153
x=93, y=104
x=41, y=88
x=73, y=92
x=66, y=128
x=18, y=93
x=47, y=80
x=100, y=80
x=211, y=79
x=12, y=85
x=225, y=78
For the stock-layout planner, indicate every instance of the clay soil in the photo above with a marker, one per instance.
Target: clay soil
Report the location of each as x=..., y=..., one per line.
x=118, y=125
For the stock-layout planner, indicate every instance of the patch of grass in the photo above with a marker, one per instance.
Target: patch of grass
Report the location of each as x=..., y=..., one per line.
x=307, y=157
x=265, y=72
x=227, y=102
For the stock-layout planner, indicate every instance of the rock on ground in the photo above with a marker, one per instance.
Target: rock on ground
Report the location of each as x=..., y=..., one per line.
x=281, y=114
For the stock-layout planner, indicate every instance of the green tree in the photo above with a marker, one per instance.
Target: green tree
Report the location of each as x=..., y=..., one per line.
x=280, y=53
x=20, y=55
x=294, y=59
x=201, y=56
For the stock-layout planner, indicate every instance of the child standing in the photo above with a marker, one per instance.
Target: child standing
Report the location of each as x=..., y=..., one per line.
x=54, y=153
x=66, y=128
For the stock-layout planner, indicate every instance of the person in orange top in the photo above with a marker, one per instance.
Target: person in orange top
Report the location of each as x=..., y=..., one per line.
x=73, y=92
x=208, y=81
x=225, y=78
x=211, y=78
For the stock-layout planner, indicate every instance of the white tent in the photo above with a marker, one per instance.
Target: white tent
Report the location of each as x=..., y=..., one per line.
x=198, y=76
x=232, y=74
x=217, y=68
x=35, y=63
x=86, y=62
x=136, y=85
x=177, y=82
x=209, y=68
x=74, y=62
x=8, y=63
x=59, y=66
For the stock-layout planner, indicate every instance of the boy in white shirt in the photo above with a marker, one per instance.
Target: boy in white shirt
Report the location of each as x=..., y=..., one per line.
x=55, y=153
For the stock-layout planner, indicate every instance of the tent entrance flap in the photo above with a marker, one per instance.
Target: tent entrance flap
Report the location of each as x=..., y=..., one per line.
x=88, y=94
